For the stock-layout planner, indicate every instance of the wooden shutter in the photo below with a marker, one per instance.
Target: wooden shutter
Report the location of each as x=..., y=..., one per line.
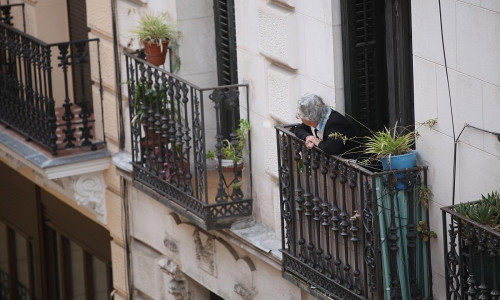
x=78, y=30
x=227, y=68
x=399, y=62
x=364, y=62
x=225, y=41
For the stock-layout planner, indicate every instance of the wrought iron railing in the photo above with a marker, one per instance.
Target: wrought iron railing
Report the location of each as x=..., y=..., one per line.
x=173, y=124
x=6, y=14
x=21, y=291
x=28, y=86
x=472, y=257
x=348, y=232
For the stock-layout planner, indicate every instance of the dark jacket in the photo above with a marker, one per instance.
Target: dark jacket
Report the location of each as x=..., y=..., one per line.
x=336, y=123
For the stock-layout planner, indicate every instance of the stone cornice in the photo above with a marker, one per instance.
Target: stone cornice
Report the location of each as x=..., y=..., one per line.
x=73, y=178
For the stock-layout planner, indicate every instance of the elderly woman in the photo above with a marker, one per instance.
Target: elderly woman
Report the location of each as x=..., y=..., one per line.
x=318, y=122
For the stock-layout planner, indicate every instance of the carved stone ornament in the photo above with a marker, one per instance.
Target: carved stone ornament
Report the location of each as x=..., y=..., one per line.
x=244, y=292
x=88, y=191
x=170, y=244
x=205, y=253
x=177, y=286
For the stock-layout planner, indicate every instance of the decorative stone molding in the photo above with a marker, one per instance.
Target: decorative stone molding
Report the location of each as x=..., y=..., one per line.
x=281, y=103
x=244, y=292
x=171, y=245
x=271, y=157
x=290, y=4
x=277, y=35
x=88, y=191
x=177, y=286
x=170, y=267
x=205, y=253
x=78, y=168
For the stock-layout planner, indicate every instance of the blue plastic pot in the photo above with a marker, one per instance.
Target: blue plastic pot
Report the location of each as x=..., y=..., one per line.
x=400, y=162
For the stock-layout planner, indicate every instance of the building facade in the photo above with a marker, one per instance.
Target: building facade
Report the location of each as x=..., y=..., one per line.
x=93, y=206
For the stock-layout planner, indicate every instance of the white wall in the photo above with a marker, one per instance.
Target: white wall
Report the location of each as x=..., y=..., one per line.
x=285, y=49
x=472, y=48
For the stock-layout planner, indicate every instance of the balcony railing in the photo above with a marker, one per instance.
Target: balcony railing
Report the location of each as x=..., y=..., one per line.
x=173, y=124
x=472, y=257
x=348, y=232
x=6, y=287
x=6, y=14
x=28, y=89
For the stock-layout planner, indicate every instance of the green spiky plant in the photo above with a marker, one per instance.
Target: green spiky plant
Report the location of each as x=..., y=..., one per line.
x=154, y=28
x=482, y=213
x=228, y=150
x=390, y=141
x=485, y=212
x=150, y=95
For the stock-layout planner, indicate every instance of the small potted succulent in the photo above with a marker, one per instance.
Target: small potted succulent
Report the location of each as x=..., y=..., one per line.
x=155, y=32
x=475, y=217
x=485, y=212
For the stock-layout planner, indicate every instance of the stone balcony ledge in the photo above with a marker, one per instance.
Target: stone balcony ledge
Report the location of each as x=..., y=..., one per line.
x=56, y=167
x=260, y=236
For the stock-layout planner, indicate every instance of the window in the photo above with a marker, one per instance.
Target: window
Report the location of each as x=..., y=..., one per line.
x=376, y=37
x=227, y=69
x=48, y=250
x=78, y=30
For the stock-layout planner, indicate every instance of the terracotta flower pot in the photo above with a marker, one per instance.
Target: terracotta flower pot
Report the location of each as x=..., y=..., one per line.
x=154, y=53
x=228, y=165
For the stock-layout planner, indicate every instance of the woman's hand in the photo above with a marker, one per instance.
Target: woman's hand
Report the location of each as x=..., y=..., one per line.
x=311, y=141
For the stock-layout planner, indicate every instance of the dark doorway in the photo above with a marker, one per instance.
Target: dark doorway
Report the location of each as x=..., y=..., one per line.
x=227, y=68
x=78, y=31
x=376, y=38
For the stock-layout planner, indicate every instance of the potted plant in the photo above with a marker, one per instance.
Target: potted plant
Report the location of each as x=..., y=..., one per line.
x=145, y=96
x=150, y=97
x=232, y=154
x=155, y=32
x=485, y=213
x=393, y=147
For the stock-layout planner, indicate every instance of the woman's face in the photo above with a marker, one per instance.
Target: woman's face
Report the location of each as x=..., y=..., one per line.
x=308, y=122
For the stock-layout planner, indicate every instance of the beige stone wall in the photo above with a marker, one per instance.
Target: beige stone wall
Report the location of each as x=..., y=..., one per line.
x=162, y=238
x=99, y=21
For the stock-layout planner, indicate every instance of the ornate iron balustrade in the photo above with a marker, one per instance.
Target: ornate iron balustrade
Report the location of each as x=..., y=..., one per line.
x=472, y=257
x=27, y=88
x=173, y=124
x=348, y=232
x=22, y=292
x=6, y=16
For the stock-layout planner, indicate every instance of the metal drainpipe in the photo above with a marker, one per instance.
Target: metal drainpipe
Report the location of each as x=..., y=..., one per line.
x=121, y=142
x=116, y=45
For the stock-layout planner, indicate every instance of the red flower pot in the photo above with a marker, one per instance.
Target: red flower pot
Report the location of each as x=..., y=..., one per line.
x=154, y=53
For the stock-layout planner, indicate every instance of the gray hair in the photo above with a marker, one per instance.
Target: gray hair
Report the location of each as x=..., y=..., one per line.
x=311, y=107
